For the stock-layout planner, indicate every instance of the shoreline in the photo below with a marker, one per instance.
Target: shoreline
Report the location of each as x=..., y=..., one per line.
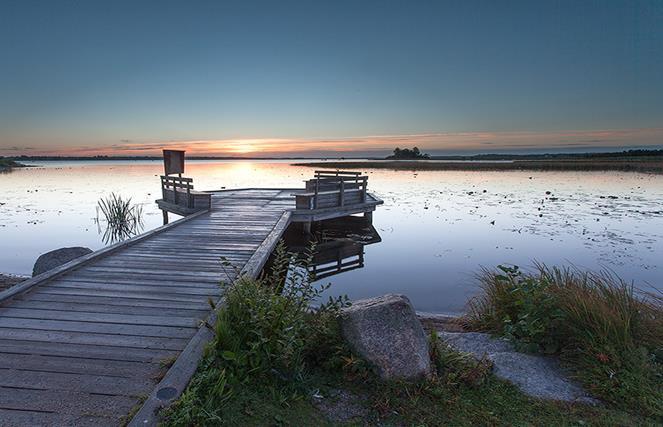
x=7, y=165
x=624, y=165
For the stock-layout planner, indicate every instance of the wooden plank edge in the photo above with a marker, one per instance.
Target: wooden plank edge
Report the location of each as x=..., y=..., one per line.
x=173, y=384
x=257, y=261
x=85, y=259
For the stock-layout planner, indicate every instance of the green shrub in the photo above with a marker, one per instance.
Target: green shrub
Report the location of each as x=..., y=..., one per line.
x=264, y=334
x=520, y=307
x=610, y=335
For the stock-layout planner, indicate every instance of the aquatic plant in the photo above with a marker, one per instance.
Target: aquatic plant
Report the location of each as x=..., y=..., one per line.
x=607, y=332
x=123, y=219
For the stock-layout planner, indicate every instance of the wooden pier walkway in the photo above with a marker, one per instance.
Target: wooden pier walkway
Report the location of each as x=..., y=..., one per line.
x=119, y=330
x=86, y=343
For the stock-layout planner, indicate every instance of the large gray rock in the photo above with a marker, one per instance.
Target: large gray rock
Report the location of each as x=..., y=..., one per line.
x=537, y=376
x=386, y=332
x=56, y=258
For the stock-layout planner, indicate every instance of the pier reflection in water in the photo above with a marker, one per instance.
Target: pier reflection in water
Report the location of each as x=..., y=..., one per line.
x=339, y=245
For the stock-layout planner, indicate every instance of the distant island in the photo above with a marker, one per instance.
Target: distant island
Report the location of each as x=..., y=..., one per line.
x=407, y=154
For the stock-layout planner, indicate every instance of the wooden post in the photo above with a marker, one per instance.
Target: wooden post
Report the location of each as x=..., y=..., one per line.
x=306, y=226
x=315, y=197
x=368, y=216
x=165, y=216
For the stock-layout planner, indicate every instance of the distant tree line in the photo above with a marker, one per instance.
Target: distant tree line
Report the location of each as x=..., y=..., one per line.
x=407, y=154
x=557, y=156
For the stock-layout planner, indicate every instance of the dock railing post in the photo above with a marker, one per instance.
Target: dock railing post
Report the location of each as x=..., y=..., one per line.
x=317, y=190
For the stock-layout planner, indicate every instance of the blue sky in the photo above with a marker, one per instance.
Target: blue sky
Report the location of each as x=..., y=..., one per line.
x=81, y=77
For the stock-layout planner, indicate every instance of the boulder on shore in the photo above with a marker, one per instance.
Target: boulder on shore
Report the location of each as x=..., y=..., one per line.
x=56, y=258
x=386, y=332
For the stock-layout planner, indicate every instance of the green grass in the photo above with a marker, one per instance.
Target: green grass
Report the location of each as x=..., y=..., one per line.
x=606, y=332
x=273, y=358
x=431, y=403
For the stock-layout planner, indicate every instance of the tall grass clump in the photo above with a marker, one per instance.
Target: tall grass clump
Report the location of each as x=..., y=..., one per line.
x=123, y=219
x=265, y=332
x=607, y=332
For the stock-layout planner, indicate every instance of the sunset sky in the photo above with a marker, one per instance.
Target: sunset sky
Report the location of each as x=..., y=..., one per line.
x=281, y=78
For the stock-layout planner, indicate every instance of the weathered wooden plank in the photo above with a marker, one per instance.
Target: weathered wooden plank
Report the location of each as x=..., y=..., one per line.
x=70, y=403
x=75, y=382
x=169, y=320
x=184, y=256
x=119, y=279
x=79, y=365
x=161, y=290
x=94, y=339
x=123, y=329
x=199, y=247
x=101, y=352
x=161, y=264
x=116, y=301
x=147, y=273
x=21, y=418
x=131, y=310
x=121, y=294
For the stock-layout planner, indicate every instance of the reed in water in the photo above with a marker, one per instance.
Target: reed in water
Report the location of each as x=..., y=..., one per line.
x=123, y=219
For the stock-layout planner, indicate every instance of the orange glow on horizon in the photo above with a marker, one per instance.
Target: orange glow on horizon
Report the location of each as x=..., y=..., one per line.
x=442, y=141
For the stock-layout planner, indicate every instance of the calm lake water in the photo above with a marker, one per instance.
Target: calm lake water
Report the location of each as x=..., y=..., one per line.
x=437, y=228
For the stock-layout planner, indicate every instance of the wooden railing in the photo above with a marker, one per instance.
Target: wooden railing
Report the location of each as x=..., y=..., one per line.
x=333, y=189
x=179, y=191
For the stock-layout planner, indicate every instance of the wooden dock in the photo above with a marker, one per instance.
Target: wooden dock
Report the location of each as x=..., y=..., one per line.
x=119, y=329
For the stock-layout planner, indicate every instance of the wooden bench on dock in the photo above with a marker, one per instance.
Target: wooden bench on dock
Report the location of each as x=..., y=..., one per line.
x=333, y=194
x=179, y=197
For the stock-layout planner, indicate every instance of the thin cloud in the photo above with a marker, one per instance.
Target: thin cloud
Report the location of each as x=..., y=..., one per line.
x=432, y=142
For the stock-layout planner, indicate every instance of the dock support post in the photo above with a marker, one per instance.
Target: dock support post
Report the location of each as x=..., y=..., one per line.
x=368, y=216
x=306, y=226
x=165, y=216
